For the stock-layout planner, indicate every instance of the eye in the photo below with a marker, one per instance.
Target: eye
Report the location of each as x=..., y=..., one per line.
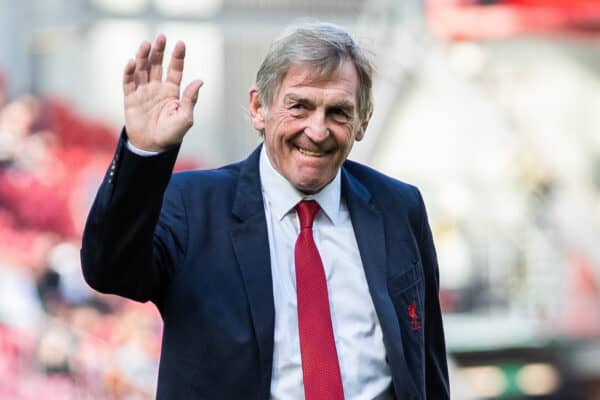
x=339, y=115
x=297, y=109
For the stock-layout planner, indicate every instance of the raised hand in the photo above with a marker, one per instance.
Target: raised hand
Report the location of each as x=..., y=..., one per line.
x=156, y=115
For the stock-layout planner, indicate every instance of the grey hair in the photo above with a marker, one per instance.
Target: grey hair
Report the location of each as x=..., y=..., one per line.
x=322, y=46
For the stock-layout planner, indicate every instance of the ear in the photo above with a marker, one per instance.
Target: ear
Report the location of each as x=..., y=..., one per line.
x=257, y=111
x=360, y=133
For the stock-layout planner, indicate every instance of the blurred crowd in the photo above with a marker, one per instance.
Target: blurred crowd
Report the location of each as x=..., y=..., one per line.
x=58, y=338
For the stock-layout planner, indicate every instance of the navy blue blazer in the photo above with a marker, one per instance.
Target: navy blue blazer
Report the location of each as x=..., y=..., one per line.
x=195, y=243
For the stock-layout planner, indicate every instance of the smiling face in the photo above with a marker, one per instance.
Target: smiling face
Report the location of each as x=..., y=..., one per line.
x=312, y=124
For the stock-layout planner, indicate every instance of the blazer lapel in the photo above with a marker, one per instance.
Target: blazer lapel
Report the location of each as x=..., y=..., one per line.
x=251, y=244
x=367, y=222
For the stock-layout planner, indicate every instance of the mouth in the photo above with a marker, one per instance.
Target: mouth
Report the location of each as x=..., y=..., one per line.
x=310, y=153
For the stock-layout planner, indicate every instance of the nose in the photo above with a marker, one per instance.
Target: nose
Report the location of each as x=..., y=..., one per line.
x=316, y=128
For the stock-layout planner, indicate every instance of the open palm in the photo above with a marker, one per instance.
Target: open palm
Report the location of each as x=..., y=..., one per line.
x=157, y=115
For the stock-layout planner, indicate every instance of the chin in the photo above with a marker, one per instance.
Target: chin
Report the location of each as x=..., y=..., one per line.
x=309, y=187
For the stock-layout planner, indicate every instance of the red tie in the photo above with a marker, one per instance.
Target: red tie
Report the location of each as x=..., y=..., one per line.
x=320, y=368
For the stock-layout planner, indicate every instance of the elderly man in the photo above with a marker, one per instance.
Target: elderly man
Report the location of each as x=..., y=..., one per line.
x=292, y=274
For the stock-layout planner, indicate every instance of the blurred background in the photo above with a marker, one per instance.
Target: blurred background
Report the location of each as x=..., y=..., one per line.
x=491, y=107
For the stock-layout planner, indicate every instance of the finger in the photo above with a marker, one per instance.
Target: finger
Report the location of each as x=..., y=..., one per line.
x=141, y=63
x=128, y=78
x=156, y=58
x=190, y=96
x=175, y=71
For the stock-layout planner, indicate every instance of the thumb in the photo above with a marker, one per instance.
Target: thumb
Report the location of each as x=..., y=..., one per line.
x=190, y=95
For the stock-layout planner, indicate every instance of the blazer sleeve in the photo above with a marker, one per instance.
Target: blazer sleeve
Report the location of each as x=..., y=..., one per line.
x=129, y=246
x=436, y=368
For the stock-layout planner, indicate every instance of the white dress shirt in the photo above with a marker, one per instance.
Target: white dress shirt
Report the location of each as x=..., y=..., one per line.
x=356, y=329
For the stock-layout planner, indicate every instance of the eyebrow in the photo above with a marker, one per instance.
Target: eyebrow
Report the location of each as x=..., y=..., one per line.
x=297, y=99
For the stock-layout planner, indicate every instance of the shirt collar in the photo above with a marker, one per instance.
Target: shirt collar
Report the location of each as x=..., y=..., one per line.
x=283, y=197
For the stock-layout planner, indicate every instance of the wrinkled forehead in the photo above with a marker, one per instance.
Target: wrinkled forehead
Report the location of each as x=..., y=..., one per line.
x=320, y=74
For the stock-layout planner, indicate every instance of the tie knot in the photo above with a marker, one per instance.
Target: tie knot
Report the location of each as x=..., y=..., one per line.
x=307, y=210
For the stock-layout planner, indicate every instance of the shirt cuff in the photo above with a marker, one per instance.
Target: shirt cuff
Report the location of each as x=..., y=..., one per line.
x=140, y=152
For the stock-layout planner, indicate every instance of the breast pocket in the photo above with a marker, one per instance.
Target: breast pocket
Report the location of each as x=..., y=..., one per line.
x=407, y=294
